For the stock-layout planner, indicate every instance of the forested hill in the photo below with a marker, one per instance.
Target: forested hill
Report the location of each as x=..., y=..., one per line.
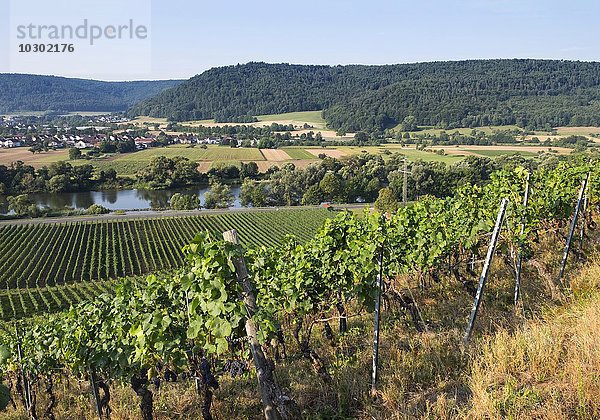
x=530, y=93
x=26, y=92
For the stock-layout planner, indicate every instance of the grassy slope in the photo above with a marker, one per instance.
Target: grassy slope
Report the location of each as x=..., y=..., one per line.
x=549, y=368
x=311, y=117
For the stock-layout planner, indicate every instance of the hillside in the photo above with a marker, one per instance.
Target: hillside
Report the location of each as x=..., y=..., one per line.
x=547, y=368
x=530, y=93
x=26, y=92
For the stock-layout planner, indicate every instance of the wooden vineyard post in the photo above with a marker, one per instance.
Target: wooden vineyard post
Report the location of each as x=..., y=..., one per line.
x=486, y=268
x=95, y=393
x=26, y=389
x=520, y=256
x=276, y=404
x=377, y=320
x=563, y=263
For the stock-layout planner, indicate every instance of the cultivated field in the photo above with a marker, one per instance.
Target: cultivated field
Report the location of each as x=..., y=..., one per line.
x=35, y=256
x=494, y=151
x=410, y=152
x=312, y=118
x=334, y=153
x=275, y=155
x=298, y=153
x=130, y=164
x=198, y=154
x=8, y=156
x=431, y=131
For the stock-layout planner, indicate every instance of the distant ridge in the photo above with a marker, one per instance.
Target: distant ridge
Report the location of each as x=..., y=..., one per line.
x=529, y=93
x=26, y=92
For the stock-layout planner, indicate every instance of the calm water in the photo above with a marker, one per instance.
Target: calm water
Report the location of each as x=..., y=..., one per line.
x=115, y=199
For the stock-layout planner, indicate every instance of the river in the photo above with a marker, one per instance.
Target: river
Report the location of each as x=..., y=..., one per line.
x=115, y=199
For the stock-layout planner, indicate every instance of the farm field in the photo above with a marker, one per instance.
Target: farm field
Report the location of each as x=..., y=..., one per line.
x=313, y=118
x=212, y=156
x=8, y=156
x=123, y=167
x=211, y=153
x=410, y=152
x=542, y=135
x=35, y=259
x=275, y=155
x=495, y=153
x=295, y=118
x=298, y=153
x=430, y=131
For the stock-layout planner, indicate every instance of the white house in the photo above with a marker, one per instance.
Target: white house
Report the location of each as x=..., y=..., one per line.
x=82, y=145
x=211, y=140
x=9, y=143
x=143, y=143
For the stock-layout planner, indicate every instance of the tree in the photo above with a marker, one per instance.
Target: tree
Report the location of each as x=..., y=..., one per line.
x=184, y=202
x=253, y=194
x=59, y=183
x=409, y=123
x=386, y=202
x=22, y=205
x=36, y=148
x=248, y=170
x=162, y=172
x=332, y=187
x=108, y=175
x=219, y=196
x=74, y=153
x=361, y=137
x=312, y=196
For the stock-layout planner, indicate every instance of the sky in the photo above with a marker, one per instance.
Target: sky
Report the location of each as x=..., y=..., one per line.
x=187, y=37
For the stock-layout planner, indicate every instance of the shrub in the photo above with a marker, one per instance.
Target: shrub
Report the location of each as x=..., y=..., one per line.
x=96, y=209
x=184, y=202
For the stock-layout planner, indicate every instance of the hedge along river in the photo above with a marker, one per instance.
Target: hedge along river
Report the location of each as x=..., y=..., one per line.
x=116, y=199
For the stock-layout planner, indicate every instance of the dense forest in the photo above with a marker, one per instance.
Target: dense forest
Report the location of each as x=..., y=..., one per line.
x=25, y=92
x=530, y=93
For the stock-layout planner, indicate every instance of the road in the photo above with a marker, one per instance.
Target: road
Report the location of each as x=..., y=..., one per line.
x=147, y=214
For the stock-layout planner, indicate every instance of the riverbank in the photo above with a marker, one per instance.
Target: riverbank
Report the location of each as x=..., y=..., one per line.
x=157, y=214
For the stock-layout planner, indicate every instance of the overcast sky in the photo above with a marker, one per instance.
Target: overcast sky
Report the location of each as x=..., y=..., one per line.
x=187, y=37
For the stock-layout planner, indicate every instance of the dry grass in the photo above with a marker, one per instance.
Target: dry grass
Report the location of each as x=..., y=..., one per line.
x=548, y=369
x=37, y=160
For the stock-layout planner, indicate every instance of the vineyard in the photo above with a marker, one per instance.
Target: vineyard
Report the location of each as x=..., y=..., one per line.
x=229, y=308
x=47, y=267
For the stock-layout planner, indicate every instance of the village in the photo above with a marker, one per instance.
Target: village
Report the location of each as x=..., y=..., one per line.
x=20, y=132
